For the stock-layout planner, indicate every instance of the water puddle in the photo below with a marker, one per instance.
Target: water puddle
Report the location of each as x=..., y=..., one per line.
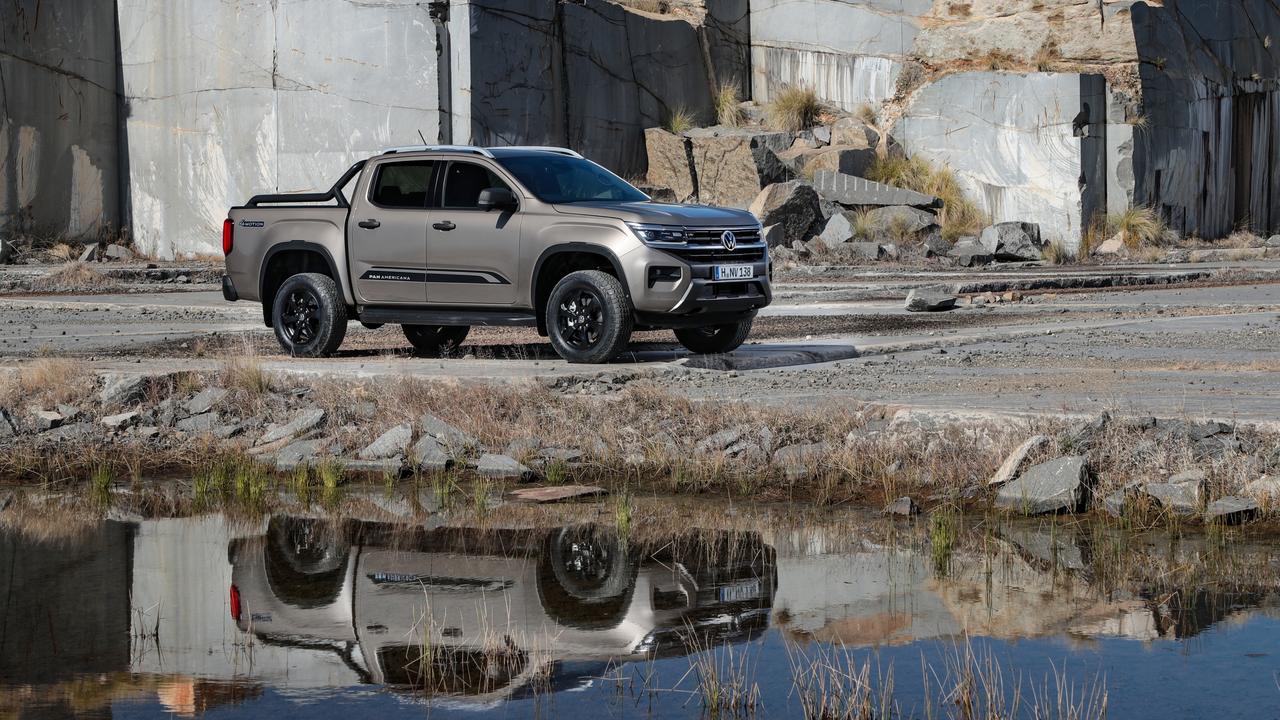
x=305, y=617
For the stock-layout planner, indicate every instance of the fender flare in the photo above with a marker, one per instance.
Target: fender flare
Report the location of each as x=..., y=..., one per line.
x=304, y=246
x=561, y=249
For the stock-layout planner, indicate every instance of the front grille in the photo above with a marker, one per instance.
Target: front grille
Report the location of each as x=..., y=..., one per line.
x=704, y=245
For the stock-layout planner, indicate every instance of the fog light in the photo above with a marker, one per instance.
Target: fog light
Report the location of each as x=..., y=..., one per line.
x=663, y=274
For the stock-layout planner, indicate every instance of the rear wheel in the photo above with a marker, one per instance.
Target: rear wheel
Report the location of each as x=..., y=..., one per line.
x=714, y=338
x=435, y=340
x=309, y=316
x=589, y=317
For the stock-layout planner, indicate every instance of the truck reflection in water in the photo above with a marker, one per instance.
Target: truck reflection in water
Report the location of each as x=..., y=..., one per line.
x=494, y=613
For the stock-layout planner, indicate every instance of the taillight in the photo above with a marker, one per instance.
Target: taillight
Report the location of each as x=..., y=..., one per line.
x=228, y=239
x=235, y=596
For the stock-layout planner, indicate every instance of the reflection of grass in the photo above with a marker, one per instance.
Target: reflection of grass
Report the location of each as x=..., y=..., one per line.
x=943, y=531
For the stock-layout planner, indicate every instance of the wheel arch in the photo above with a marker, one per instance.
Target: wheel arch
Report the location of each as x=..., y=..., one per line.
x=291, y=258
x=559, y=260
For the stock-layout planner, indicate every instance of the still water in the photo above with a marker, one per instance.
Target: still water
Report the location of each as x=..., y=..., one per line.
x=304, y=617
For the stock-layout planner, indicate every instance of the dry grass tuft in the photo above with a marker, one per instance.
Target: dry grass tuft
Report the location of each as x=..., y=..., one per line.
x=1140, y=227
x=72, y=275
x=1055, y=253
x=49, y=381
x=958, y=217
x=868, y=114
x=911, y=76
x=679, y=120
x=729, y=111
x=794, y=108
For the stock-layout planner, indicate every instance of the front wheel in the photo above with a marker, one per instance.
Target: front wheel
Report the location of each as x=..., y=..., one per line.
x=714, y=338
x=309, y=315
x=589, y=317
x=435, y=340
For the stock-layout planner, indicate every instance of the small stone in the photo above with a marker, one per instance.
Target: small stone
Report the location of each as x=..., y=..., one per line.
x=122, y=389
x=565, y=455
x=1013, y=464
x=503, y=467
x=1182, y=494
x=1264, y=489
x=204, y=401
x=8, y=426
x=299, y=452
x=42, y=420
x=302, y=422
x=393, y=466
x=448, y=435
x=121, y=421
x=556, y=494
x=390, y=443
x=428, y=455
x=797, y=461
x=198, y=423
x=929, y=299
x=902, y=507
x=1231, y=510
x=721, y=440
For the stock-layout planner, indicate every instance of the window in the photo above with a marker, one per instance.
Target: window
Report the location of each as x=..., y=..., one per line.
x=563, y=179
x=403, y=184
x=465, y=181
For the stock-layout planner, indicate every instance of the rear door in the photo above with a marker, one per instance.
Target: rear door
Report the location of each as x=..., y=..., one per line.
x=473, y=255
x=387, y=233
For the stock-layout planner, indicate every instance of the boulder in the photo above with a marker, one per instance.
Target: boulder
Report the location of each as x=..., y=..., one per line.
x=1113, y=247
x=1264, y=490
x=302, y=422
x=837, y=232
x=1060, y=485
x=1231, y=510
x=792, y=205
x=902, y=507
x=1182, y=494
x=503, y=467
x=848, y=131
x=389, y=443
x=448, y=435
x=559, y=493
x=859, y=192
x=297, y=453
x=669, y=163
x=867, y=250
x=1013, y=241
x=428, y=455
x=1117, y=503
x=8, y=426
x=733, y=164
x=42, y=420
x=392, y=466
x=969, y=252
x=122, y=389
x=197, y=424
x=934, y=244
x=204, y=401
x=930, y=299
x=894, y=218
x=822, y=135
x=7, y=251
x=1273, y=241
x=774, y=236
x=718, y=442
x=1013, y=464
x=797, y=461
x=840, y=159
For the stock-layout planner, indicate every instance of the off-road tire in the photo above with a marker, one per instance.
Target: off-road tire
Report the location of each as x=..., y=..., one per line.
x=435, y=340
x=309, y=316
x=714, y=339
x=598, y=333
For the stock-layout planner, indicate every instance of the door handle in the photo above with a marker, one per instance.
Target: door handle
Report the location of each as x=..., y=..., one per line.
x=369, y=224
x=445, y=226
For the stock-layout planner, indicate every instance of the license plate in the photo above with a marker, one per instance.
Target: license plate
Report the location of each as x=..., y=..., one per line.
x=734, y=272
x=738, y=592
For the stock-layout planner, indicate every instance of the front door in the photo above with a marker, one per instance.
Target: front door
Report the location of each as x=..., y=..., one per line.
x=473, y=255
x=388, y=234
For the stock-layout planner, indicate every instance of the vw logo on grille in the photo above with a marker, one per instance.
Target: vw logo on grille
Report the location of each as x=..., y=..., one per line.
x=729, y=240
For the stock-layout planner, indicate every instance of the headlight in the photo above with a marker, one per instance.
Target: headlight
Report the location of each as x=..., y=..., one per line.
x=659, y=235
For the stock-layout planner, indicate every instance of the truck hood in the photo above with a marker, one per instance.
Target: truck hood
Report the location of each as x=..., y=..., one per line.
x=661, y=213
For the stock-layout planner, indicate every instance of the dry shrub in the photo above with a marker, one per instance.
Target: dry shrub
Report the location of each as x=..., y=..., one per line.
x=679, y=120
x=868, y=114
x=72, y=275
x=1048, y=56
x=52, y=381
x=1055, y=253
x=62, y=251
x=911, y=76
x=728, y=108
x=958, y=217
x=1140, y=227
x=1242, y=238
x=996, y=59
x=794, y=108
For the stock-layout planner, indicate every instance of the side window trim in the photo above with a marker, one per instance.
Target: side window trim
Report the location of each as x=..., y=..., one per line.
x=431, y=199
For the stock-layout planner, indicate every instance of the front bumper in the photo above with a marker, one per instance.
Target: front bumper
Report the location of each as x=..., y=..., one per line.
x=229, y=289
x=697, y=295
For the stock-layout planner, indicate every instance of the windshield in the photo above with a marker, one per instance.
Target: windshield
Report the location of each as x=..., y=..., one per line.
x=560, y=179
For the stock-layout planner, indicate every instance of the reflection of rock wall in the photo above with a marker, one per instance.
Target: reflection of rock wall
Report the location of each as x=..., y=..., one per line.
x=1210, y=153
x=1018, y=144
x=229, y=100
x=58, y=157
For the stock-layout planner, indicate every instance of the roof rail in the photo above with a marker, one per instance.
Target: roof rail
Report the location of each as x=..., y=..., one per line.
x=439, y=148
x=546, y=148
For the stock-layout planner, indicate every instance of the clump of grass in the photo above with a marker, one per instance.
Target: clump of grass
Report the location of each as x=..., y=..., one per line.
x=1139, y=226
x=300, y=483
x=1055, y=253
x=728, y=105
x=330, y=475
x=50, y=380
x=867, y=114
x=794, y=108
x=623, y=510
x=724, y=677
x=556, y=472
x=679, y=120
x=996, y=59
x=958, y=217
x=74, y=274
x=480, y=492
x=943, y=532
x=864, y=225
x=100, y=483
x=245, y=373
x=1047, y=57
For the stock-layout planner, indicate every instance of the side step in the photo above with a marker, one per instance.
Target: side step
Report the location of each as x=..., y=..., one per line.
x=445, y=316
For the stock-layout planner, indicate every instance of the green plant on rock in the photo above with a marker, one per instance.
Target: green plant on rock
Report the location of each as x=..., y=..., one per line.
x=1139, y=226
x=679, y=120
x=958, y=217
x=794, y=108
x=100, y=483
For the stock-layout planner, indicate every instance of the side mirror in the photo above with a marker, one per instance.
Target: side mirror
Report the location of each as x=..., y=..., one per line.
x=494, y=197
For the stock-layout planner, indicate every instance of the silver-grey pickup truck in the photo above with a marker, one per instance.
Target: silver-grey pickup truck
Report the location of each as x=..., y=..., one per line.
x=440, y=238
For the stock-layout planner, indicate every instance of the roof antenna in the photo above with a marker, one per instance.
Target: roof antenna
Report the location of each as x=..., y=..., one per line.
x=421, y=137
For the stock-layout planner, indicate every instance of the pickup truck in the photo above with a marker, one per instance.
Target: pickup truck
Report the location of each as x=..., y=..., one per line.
x=440, y=238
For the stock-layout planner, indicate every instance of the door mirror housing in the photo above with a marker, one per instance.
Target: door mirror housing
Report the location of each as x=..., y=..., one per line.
x=495, y=197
